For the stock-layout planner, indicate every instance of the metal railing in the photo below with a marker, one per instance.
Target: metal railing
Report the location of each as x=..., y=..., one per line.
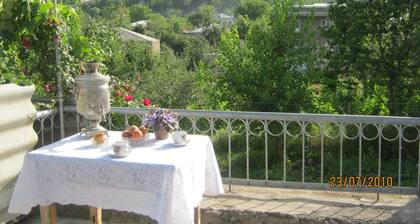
x=344, y=144
x=44, y=126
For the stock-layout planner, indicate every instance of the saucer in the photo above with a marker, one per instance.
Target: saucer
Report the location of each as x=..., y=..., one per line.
x=112, y=154
x=180, y=144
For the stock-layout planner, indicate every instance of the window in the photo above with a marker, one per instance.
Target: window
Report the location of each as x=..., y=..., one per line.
x=297, y=26
x=325, y=23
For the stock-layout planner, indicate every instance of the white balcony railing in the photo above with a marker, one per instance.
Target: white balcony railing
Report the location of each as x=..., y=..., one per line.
x=295, y=150
x=44, y=126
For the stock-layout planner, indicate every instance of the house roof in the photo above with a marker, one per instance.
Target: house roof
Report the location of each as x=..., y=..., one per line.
x=316, y=5
x=195, y=31
x=317, y=9
x=131, y=35
x=142, y=23
x=224, y=16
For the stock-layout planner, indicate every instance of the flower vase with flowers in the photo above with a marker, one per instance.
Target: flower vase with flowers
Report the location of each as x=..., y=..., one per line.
x=162, y=121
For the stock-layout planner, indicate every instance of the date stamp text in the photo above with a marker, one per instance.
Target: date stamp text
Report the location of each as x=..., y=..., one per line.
x=360, y=182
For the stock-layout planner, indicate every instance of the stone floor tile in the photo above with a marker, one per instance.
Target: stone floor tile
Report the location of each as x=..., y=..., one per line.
x=288, y=207
x=306, y=209
x=267, y=206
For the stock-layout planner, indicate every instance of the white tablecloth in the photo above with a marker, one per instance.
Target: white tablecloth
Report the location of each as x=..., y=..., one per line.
x=158, y=179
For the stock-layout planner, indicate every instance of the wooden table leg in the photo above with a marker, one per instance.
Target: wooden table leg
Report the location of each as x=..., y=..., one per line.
x=48, y=214
x=95, y=215
x=197, y=215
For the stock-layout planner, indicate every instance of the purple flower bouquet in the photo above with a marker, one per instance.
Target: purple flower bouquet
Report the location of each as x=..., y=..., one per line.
x=161, y=118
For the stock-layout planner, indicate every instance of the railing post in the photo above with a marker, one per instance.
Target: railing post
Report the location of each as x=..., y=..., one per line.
x=126, y=124
x=109, y=121
x=52, y=128
x=303, y=131
x=247, y=149
x=42, y=131
x=211, y=129
x=322, y=152
x=194, y=125
x=230, y=153
x=360, y=130
x=418, y=170
x=399, y=157
x=284, y=149
x=78, y=121
x=266, y=149
x=341, y=148
x=379, y=149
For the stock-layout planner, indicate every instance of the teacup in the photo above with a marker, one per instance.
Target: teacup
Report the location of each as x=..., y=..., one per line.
x=180, y=137
x=121, y=148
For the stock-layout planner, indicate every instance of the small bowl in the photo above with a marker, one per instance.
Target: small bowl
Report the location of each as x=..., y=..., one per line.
x=121, y=148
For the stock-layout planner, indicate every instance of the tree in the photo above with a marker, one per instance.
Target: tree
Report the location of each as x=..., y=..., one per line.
x=139, y=12
x=195, y=55
x=376, y=43
x=242, y=25
x=252, y=9
x=270, y=69
x=205, y=16
x=168, y=83
x=212, y=35
x=29, y=33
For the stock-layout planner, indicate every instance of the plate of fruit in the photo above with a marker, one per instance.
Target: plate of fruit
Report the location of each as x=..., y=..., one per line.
x=136, y=135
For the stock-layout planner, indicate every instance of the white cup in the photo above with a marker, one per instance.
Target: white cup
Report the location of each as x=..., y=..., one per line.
x=121, y=148
x=180, y=137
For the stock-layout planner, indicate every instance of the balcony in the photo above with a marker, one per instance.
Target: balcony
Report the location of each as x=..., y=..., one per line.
x=277, y=167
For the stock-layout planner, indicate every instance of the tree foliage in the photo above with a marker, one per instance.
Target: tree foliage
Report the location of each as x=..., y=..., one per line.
x=204, y=16
x=29, y=35
x=252, y=9
x=269, y=70
x=374, y=50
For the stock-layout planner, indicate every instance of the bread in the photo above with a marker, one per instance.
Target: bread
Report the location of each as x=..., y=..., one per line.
x=99, y=138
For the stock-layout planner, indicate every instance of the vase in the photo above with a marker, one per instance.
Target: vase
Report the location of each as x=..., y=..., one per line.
x=161, y=133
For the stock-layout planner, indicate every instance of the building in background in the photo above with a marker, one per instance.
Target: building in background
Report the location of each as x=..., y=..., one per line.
x=141, y=23
x=198, y=31
x=318, y=13
x=225, y=21
x=131, y=35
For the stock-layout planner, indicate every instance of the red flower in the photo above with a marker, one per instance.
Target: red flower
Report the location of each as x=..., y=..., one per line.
x=47, y=88
x=146, y=102
x=26, y=43
x=128, y=98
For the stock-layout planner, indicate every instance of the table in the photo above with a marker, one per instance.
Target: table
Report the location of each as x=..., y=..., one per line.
x=163, y=181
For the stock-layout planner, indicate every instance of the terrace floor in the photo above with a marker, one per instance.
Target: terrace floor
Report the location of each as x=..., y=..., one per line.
x=262, y=205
